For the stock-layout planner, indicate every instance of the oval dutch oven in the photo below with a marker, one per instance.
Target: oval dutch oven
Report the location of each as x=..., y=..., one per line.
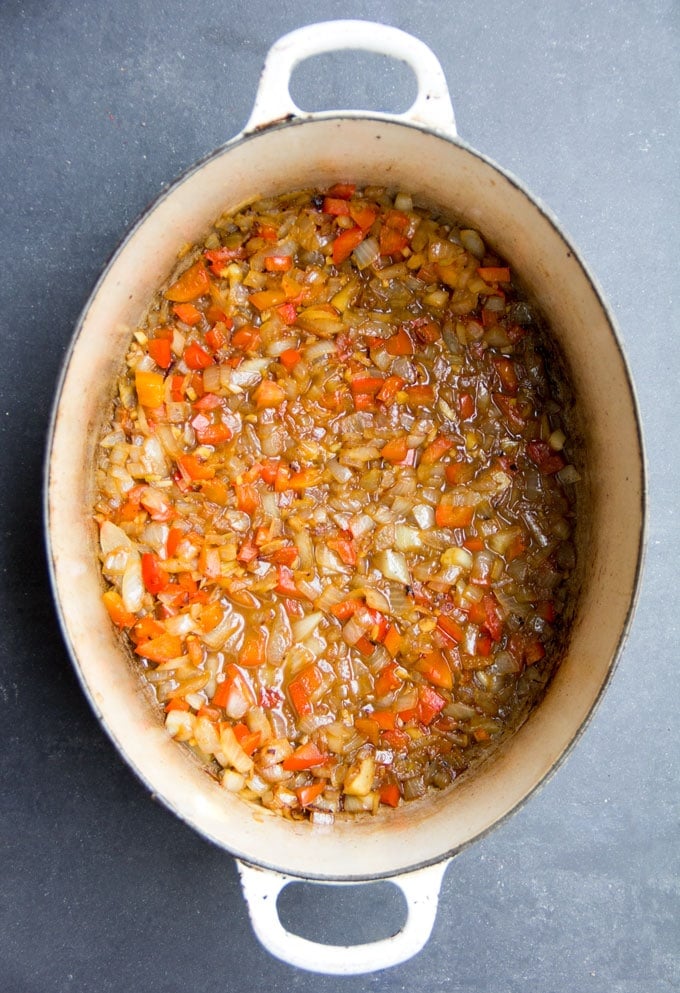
x=282, y=149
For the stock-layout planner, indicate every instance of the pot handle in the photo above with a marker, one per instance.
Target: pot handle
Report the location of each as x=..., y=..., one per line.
x=261, y=888
x=273, y=101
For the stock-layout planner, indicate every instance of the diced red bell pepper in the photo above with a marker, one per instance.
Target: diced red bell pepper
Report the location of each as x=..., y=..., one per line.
x=187, y=313
x=194, y=282
x=196, y=357
x=302, y=688
x=345, y=243
x=388, y=679
x=390, y=795
x=400, y=343
x=429, y=704
x=153, y=574
x=450, y=628
x=160, y=351
x=305, y=757
x=253, y=652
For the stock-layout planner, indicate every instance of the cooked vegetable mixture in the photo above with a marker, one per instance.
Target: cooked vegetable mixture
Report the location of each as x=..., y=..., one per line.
x=333, y=502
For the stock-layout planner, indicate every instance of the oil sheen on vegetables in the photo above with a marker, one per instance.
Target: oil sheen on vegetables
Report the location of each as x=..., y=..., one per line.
x=335, y=505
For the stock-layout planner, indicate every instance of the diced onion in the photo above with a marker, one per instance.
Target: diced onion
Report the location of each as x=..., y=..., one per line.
x=366, y=252
x=393, y=565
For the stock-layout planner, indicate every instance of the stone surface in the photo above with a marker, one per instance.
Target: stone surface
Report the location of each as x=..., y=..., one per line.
x=101, y=889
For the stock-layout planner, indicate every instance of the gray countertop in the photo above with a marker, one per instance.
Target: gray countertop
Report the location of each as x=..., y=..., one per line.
x=101, y=889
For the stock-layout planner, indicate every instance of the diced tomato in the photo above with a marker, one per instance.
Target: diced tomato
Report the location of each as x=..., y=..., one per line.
x=385, y=719
x=210, y=401
x=178, y=388
x=212, y=433
x=298, y=481
x=285, y=583
x=534, y=652
x=365, y=646
x=546, y=610
x=145, y=629
x=211, y=615
x=515, y=412
x=397, y=220
x=216, y=339
x=209, y=563
x=400, y=343
x=345, y=609
x=366, y=384
x=493, y=616
x=288, y=555
x=269, y=471
x=177, y=703
x=427, y=330
x=459, y=472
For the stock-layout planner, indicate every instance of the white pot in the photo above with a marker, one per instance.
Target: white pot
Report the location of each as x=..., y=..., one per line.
x=417, y=152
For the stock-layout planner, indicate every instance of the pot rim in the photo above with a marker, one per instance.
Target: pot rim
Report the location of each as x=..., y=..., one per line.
x=168, y=191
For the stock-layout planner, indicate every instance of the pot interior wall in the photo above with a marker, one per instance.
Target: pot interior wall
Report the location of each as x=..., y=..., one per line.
x=446, y=173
